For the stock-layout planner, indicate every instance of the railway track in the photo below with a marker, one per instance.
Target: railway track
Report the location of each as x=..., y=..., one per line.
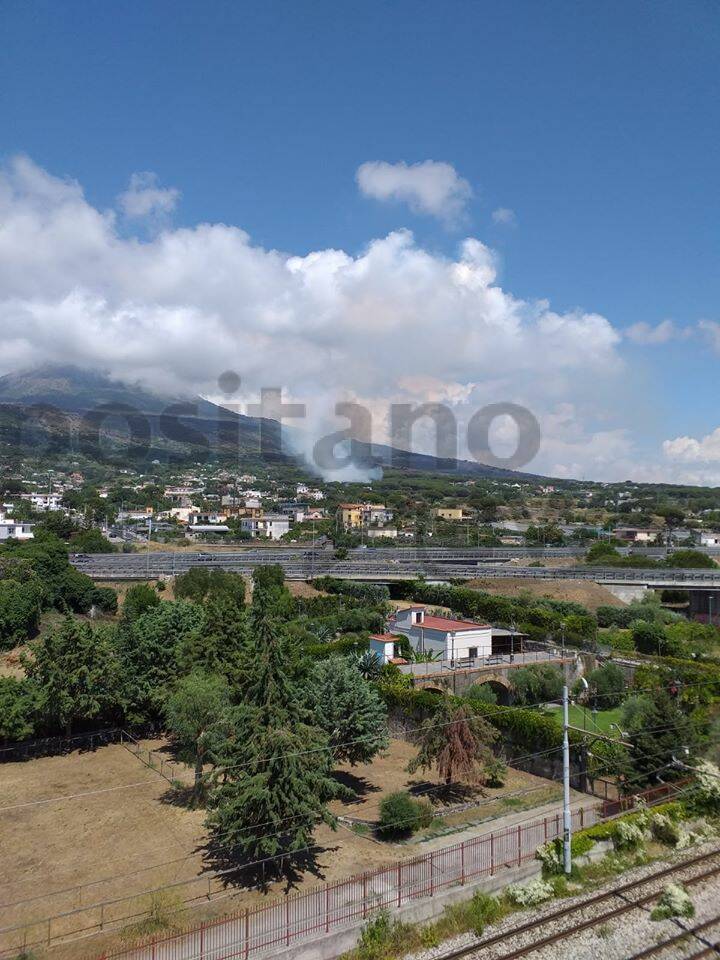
x=602, y=907
x=707, y=935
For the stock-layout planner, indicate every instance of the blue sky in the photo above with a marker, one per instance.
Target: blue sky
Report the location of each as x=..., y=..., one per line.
x=596, y=124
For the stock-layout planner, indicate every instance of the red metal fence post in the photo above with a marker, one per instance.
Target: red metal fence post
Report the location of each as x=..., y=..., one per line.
x=462, y=864
x=247, y=932
x=519, y=844
x=399, y=880
x=492, y=854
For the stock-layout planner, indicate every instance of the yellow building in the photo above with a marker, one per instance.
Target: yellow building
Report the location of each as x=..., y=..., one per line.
x=448, y=513
x=350, y=515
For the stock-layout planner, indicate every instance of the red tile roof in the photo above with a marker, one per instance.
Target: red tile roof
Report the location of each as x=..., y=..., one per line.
x=446, y=624
x=384, y=637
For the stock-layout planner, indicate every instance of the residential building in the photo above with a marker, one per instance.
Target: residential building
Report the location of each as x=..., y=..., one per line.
x=44, y=502
x=270, y=526
x=17, y=529
x=641, y=535
x=350, y=516
x=709, y=539
x=386, y=647
x=448, y=513
x=208, y=518
x=452, y=639
x=376, y=533
x=309, y=493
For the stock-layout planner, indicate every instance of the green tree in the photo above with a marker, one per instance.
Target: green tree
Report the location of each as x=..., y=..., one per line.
x=148, y=650
x=91, y=540
x=138, y=600
x=539, y=683
x=648, y=638
x=17, y=708
x=197, y=702
x=606, y=686
x=657, y=730
x=273, y=775
x=457, y=741
x=218, y=646
x=74, y=670
x=349, y=710
x=20, y=608
x=272, y=789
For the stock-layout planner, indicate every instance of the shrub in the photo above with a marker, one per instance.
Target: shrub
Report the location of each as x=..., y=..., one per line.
x=496, y=772
x=483, y=909
x=400, y=816
x=674, y=902
x=665, y=830
x=628, y=836
x=482, y=692
x=529, y=894
x=380, y=936
x=105, y=599
x=707, y=777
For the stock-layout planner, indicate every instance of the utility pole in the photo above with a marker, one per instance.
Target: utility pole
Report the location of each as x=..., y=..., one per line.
x=148, y=545
x=567, y=815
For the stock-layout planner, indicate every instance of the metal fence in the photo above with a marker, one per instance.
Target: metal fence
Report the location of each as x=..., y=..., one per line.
x=333, y=906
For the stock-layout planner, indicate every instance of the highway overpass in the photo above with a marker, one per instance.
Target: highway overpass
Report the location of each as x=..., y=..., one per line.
x=368, y=566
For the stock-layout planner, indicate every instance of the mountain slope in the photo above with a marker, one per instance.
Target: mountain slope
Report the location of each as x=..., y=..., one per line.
x=56, y=407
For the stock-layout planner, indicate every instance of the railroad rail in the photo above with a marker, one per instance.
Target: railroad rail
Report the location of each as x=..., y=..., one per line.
x=572, y=919
x=701, y=932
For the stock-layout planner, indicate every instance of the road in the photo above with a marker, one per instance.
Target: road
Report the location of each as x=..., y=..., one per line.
x=367, y=565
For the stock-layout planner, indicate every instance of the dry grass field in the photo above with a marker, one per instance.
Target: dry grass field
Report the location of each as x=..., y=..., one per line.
x=589, y=594
x=102, y=843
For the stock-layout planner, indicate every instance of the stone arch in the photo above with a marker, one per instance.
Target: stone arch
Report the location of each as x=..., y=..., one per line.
x=500, y=686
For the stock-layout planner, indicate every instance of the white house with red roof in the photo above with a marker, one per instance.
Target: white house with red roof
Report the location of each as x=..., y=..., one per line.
x=452, y=639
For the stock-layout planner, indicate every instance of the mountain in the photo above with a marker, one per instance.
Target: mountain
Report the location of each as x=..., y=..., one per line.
x=63, y=407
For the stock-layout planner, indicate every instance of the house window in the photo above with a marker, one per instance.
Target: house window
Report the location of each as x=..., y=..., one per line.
x=472, y=653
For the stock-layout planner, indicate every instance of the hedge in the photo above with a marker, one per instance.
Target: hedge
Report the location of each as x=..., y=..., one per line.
x=531, y=729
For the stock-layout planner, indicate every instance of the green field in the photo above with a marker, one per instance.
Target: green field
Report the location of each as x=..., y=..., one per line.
x=598, y=722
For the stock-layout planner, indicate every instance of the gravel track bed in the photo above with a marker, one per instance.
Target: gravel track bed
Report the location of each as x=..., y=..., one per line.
x=616, y=939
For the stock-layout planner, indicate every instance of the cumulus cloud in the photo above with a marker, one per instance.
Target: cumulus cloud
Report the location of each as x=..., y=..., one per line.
x=646, y=334
x=392, y=322
x=430, y=187
x=146, y=199
x=504, y=216
x=692, y=450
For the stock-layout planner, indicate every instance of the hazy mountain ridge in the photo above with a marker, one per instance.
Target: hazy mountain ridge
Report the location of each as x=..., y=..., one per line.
x=37, y=406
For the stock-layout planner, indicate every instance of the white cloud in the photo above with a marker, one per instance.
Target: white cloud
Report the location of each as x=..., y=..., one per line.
x=393, y=322
x=645, y=334
x=691, y=450
x=429, y=187
x=710, y=330
x=504, y=216
x=144, y=198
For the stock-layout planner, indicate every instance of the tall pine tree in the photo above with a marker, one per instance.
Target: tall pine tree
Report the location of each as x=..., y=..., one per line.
x=273, y=774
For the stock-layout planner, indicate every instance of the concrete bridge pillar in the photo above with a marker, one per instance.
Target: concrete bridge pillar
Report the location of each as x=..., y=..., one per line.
x=627, y=592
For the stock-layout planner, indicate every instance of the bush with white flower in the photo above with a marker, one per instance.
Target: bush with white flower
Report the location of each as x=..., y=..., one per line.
x=674, y=902
x=529, y=894
x=549, y=854
x=665, y=830
x=628, y=836
x=707, y=780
